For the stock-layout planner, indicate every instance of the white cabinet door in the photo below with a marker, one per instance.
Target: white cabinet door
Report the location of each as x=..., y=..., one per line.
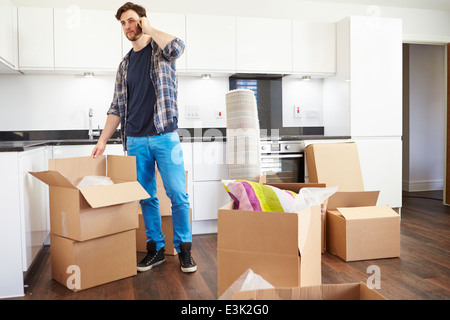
x=264, y=45
x=86, y=39
x=170, y=23
x=35, y=38
x=209, y=196
x=314, y=47
x=8, y=33
x=210, y=161
x=34, y=204
x=381, y=166
x=376, y=76
x=11, y=275
x=212, y=43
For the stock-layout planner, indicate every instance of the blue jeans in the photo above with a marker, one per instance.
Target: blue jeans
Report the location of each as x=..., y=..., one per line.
x=165, y=150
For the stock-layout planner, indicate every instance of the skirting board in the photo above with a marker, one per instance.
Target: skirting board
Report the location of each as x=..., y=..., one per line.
x=422, y=185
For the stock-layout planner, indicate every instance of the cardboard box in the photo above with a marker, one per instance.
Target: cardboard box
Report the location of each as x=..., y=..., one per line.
x=335, y=164
x=83, y=214
x=345, y=291
x=79, y=265
x=357, y=229
x=167, y=230
x=269, y=244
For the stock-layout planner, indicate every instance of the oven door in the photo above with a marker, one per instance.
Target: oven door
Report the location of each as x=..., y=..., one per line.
x=283, y=168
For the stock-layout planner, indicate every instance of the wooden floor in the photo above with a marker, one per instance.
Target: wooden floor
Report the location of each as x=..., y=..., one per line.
x=421, y=273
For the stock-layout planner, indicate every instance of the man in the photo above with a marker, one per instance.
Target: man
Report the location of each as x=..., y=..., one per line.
x=145, y=106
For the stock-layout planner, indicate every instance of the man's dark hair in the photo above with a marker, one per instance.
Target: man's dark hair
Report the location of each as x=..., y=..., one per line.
x=131, y=6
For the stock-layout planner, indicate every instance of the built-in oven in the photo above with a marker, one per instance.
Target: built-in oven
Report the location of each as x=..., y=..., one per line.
x=283, y=161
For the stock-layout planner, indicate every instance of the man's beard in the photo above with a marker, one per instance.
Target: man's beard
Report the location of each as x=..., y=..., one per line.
x=135, y=36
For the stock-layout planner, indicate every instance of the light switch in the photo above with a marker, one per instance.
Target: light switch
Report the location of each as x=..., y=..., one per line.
x=297, y=113
x=192, y=112
x=219, y=114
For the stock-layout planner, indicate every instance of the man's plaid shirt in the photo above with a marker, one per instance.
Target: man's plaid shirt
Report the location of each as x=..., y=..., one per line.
x=165, y=81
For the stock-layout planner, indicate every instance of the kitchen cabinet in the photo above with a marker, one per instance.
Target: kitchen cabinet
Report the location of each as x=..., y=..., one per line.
x=35, y=27
x=381, y=167
x=8, y=34
x=24, y=215
x=263, y=45
x=171, y=23
x=86, y=40
x=212, y=43
x=314, y=48
x=371, y=59
x=34, y=206
x=210, y=167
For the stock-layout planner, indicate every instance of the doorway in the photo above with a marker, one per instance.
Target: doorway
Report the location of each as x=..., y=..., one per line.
x=424, y=116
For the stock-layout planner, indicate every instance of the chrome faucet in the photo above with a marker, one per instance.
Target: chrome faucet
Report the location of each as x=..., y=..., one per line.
x=92, y=133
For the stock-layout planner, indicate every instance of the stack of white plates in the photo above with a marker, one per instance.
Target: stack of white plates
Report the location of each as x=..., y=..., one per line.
x=244, y=161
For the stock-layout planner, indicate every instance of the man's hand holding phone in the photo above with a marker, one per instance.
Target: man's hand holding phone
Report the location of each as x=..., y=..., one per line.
x=144, y=24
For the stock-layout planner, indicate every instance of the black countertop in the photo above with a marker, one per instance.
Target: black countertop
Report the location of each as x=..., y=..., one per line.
x=17, y=141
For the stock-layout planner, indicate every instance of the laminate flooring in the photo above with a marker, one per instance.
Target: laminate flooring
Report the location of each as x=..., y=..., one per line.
x=421, y=273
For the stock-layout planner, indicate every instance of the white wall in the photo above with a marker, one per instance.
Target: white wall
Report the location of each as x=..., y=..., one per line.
x=60, y=102
x=424, y=161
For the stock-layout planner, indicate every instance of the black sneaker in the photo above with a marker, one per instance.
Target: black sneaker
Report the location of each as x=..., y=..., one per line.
x=187, y=262
x=153, y=258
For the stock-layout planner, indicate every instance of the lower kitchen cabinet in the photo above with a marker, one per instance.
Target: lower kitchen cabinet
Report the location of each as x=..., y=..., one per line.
x=24, y=215
x=209, y=196
x=381, y=166
x=209, y=168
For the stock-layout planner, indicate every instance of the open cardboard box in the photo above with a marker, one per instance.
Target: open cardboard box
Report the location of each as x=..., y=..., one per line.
x=269, y=243
x=79, y=265
x=83, y=214
x=356, y=228
x=344, y=291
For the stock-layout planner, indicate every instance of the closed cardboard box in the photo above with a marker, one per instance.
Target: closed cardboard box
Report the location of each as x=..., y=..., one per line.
x=79, y=265
x=283, y=248
x=88, y=213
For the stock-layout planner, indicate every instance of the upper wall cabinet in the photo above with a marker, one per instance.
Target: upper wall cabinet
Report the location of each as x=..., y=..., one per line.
x=8, y=34
x=211, y=43
x=264, y=45
x=314, y=47
x=35, y=38
x=86, y=39
x=371, y=56
x=173, y=24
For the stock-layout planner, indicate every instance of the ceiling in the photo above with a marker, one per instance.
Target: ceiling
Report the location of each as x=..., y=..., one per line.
x=417, y=4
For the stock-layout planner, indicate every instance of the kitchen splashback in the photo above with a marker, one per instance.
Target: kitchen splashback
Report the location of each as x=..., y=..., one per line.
x=268, y=90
